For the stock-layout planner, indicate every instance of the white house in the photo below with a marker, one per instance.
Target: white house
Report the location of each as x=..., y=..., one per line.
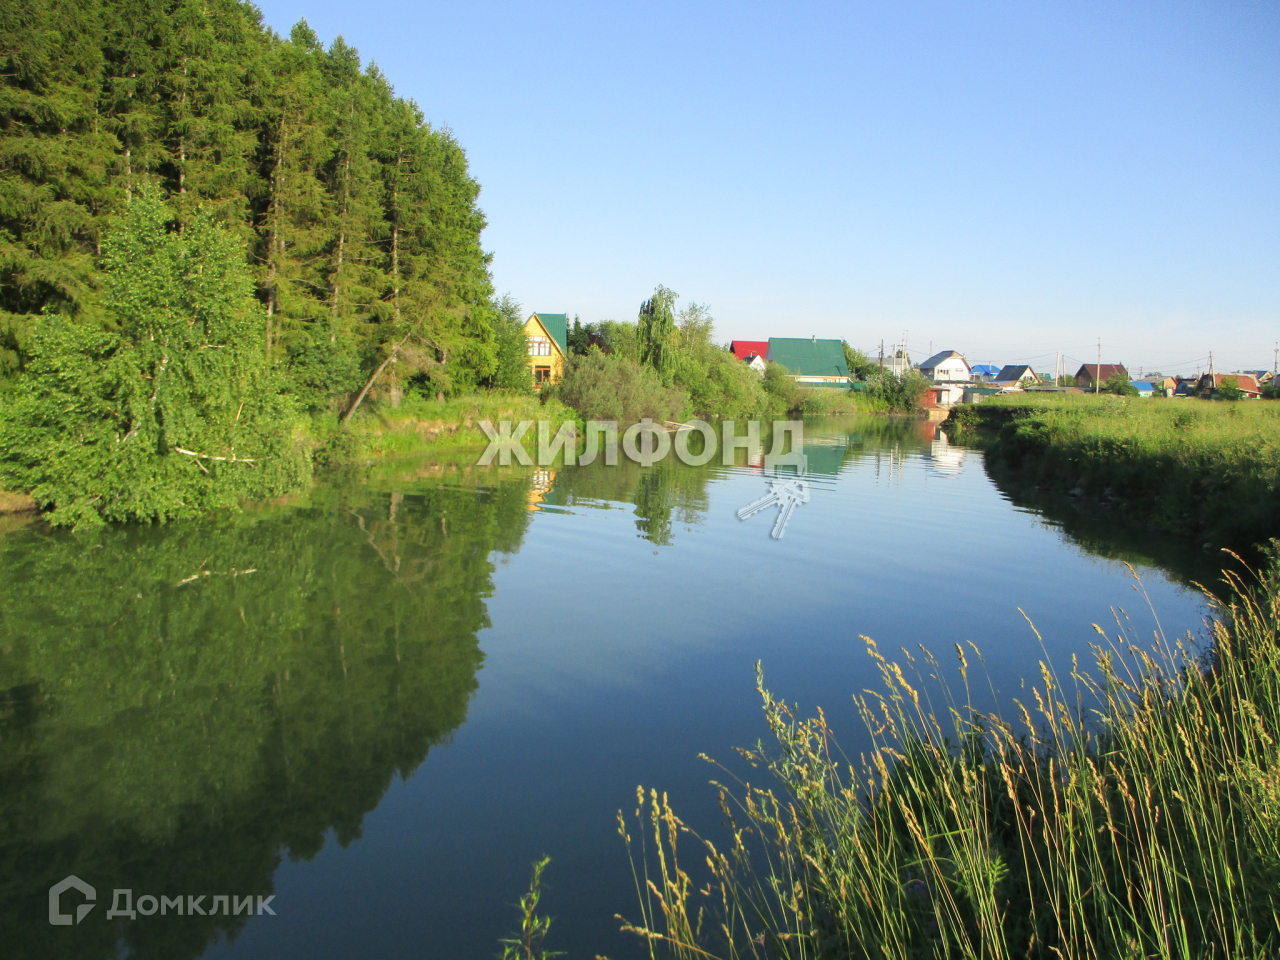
x=947, y=367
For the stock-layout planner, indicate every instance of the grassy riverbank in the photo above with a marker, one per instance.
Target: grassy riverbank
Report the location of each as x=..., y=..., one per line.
x=419, y=425
x=1206, y=470
x=1150, y=830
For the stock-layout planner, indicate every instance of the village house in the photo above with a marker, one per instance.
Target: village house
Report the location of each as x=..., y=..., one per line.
x=1016, y=373
x=985, y=372
x=1145, y=388
x=751, y=352
x=548, y=336
x=947, y=367
x=1210, y=383
x=812, y=362
x=950, y=373
x=1091, y=374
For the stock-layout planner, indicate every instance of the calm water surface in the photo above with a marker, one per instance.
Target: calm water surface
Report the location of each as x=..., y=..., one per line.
x=381, y=703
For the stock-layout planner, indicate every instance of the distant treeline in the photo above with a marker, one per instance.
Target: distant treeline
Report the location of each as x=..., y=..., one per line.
x=358, y=219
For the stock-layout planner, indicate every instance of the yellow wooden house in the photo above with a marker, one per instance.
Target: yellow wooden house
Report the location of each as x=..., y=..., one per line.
x=548, y=335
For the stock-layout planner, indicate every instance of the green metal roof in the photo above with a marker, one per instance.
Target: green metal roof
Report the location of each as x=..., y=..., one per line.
x=557, y=324
x=807, y=357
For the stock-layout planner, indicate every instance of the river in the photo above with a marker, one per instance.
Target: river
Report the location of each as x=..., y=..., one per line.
x=378, y=703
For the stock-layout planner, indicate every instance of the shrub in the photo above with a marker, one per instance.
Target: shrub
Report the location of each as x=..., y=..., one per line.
x=1118, y=384
x=893, y=392
x=604, y=387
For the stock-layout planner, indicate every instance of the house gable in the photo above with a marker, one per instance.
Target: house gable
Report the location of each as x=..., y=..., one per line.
x=554, y=326
x=948, y=365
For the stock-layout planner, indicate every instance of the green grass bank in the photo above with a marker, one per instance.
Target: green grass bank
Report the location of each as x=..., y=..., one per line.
x=419, y=426
x=1206, y=470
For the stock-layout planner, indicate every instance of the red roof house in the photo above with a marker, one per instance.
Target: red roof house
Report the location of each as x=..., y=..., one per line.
x=1244, y=381
x=746, y=349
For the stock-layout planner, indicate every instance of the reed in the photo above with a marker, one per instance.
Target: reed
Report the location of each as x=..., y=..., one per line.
x=1131, y=812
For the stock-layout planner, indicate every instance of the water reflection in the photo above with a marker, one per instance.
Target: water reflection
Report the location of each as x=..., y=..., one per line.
x=183, y=705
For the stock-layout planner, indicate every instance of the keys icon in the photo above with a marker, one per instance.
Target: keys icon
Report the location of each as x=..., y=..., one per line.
x=787, y=495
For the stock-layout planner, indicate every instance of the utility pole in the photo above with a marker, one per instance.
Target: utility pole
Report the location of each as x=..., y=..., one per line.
x=1097, y=373
x=1275, y=358
x=882, y=356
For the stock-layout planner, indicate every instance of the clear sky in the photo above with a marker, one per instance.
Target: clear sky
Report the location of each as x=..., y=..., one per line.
x=1004, y=179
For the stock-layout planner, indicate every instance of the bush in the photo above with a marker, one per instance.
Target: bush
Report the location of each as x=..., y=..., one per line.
x=898, y=393
x=1119, y=385
x=173, y=410
x=603, y=387
x=721, y=385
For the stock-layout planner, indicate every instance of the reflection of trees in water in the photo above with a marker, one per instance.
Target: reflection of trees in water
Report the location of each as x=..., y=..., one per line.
x=1104, y=530
x=666, y=493
x=184, y=703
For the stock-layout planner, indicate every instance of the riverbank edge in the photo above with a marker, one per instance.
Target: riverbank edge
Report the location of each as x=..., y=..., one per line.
x=1209, y=499
x=11, y=502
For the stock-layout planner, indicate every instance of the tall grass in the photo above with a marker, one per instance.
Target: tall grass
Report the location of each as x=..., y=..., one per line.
x=1205, y=468
x=1131, y=813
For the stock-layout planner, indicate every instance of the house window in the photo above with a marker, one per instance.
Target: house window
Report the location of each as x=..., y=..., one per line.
x=539, y=347
x=541, y=375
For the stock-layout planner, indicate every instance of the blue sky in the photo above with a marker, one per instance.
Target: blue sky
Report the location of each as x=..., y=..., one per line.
x=1005, y=179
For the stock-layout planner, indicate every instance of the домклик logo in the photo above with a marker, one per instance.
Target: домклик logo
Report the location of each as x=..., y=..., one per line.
x=56, y=916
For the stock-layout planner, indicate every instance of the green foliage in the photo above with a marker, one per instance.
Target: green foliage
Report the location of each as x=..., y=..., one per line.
x=893, y=392
x=1151, y=830
x=170, y=412
x=512, y=370
x=1271, y=391
x=359, y=220
x=861, y=366
x=1229, y=389
x=722, y=386
x=610, y=387
x=718, y=383
x=778, y=383
x=528, y=943
x=656, y=332
x=1118, y=384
